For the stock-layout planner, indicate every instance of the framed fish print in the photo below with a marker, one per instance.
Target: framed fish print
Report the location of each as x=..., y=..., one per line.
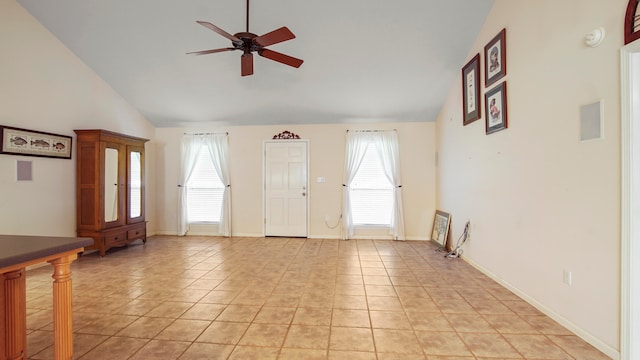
x=496, y=108
x=16, y=141
x=495, y=58
x=471, y=91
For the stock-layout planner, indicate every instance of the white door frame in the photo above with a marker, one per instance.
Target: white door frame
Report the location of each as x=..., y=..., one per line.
x=264, y=182
x=630, y=203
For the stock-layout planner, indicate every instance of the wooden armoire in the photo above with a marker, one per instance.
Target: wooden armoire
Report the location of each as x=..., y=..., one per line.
x=110, y=184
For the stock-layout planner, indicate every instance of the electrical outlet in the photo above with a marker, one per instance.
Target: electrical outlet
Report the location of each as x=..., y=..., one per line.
x=567, y=277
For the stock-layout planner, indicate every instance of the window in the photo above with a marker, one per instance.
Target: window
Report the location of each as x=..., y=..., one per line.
x=371, y=192
x=204, y=191
x=205, y=195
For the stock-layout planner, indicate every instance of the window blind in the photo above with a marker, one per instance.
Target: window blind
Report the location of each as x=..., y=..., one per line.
x=204, y=191
x=371, y=192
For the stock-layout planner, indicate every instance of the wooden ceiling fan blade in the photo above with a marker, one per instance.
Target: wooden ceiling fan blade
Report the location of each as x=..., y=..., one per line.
x=218, y=30
x=274, y=37
x=246, y=62
x=212, y=51
x=281, y=58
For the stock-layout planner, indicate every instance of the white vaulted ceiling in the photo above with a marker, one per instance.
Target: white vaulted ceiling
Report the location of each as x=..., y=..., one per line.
x=364, y=60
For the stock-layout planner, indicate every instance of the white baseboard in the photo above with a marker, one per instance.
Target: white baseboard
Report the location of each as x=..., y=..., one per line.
x=337, y=237
x=330, y=237
x=420, y=238
x=250, y=235
x=585, y=335
x=364, y=237
x=162, y=232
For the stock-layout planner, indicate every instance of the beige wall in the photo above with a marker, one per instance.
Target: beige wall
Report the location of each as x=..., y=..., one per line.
x=326, y=149
x=43, y=86
x=539, y=200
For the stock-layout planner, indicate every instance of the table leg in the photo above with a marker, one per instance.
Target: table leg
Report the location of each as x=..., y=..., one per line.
x=15, y=315
x=62, y=313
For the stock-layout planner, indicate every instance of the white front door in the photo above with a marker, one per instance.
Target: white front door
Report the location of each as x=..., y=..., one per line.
x=286, y=188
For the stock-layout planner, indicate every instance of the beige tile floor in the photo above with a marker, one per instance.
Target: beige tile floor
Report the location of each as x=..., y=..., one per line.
x=279, y=298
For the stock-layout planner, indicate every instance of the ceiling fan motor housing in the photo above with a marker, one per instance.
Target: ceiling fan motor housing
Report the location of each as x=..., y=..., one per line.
x=246, y=44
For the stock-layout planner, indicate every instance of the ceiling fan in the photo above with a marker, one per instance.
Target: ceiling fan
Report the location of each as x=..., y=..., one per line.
x=248, y=43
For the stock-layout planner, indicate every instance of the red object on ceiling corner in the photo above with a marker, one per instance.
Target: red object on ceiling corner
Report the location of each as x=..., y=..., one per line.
x=632, y=22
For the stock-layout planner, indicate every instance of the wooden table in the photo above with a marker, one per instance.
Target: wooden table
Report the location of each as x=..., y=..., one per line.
x=16, y=253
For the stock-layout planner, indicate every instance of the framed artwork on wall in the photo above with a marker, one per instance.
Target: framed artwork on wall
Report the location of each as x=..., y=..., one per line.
x=471, y=91
x=16, y=141
x=495, y=102
x=495, y=58
x=440, y=229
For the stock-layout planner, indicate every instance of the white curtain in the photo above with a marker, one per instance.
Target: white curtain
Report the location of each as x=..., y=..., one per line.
x=387, y=145
x=357, y=143
x=218, y=145
x=190, y=146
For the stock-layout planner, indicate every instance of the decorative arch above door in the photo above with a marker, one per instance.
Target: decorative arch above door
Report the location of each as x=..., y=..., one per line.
x=286, y=135
x=632, y=22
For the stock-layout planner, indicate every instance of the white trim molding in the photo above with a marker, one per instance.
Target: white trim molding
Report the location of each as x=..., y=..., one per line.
x=630, y=202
